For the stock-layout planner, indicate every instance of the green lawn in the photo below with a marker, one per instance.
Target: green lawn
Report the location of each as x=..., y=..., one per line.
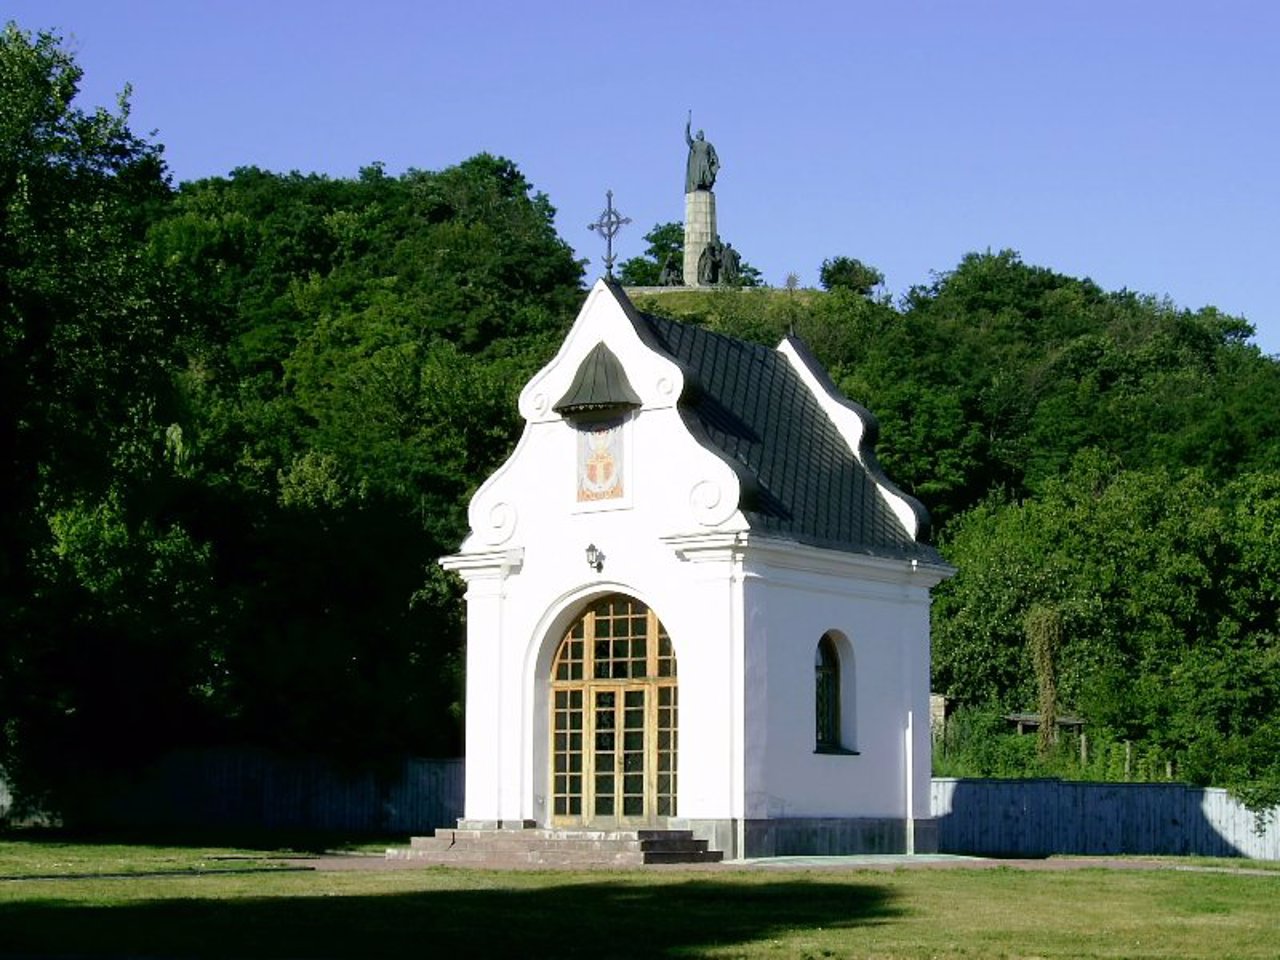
x=58, y=860
x=439, y=912
x=50, y=856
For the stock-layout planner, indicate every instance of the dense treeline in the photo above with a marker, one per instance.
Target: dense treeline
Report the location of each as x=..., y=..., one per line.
x=243, y=416
x=352, y=358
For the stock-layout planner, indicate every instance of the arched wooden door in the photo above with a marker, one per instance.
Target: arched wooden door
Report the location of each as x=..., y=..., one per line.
x=613, y=718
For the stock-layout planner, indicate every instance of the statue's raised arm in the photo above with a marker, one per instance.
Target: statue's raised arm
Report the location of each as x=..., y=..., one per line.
x=703, y=164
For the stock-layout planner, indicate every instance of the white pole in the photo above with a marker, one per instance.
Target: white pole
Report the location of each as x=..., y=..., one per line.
x=911, y=784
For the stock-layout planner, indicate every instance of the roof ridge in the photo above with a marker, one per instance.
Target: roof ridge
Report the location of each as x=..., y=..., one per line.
x=865, y=449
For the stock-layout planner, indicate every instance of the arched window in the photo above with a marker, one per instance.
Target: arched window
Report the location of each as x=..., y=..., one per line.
x=826, y=700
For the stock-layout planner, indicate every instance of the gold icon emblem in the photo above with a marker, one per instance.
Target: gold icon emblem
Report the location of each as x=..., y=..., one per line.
x=600, y=462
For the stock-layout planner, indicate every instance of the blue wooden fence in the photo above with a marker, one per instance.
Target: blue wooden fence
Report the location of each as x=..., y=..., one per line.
x=235, y=789
x=239, y=789
x=1035, y=818
x=244, y=789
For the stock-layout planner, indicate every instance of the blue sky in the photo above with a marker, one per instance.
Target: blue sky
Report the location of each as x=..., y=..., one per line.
x=1137, y=143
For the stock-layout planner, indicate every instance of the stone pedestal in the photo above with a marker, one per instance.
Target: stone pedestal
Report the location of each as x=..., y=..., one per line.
x=699, y=230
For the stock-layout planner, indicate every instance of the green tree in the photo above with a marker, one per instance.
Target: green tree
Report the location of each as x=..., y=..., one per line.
x=359, y=347
x=847, y=273
x=995, y=374
x=665, y=242
x=1043, y=626
x=1163, y=598
x=97, y=581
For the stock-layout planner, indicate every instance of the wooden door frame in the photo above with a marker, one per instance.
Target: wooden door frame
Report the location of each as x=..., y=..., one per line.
x=659, y=673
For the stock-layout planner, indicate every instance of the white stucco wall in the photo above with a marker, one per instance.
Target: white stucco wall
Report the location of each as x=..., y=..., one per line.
x=881, y=617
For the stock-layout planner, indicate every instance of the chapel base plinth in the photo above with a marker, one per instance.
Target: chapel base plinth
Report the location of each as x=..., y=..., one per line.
x=699, y=231
x=816, y=836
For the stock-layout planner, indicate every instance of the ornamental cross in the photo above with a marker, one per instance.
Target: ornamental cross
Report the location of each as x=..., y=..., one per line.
x=607, y=226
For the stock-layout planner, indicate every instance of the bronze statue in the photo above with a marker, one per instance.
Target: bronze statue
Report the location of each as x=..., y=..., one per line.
x=730, y=264
x=672, y=274
x=700, y=171
x=709, y=264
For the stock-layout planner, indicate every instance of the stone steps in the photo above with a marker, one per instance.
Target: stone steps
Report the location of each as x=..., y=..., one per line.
x=548, y=847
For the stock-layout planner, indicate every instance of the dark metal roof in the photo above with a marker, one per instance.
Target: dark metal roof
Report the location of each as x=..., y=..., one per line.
x=802, y=481
x=600, y=384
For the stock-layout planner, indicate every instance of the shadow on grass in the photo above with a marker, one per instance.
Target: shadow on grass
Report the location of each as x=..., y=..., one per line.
x=599, y=919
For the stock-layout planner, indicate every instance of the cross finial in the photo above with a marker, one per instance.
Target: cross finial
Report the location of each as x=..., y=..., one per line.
x=607, y=226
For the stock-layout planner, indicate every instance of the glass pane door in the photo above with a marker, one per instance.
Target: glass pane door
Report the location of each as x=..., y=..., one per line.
x=614, y=718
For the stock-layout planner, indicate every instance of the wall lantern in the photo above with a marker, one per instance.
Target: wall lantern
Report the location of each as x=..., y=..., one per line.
x=595, y=558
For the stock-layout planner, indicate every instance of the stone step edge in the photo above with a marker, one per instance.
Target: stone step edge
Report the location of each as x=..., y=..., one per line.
x=557, y=858
x=551, y=833
x=450, y=840
x=443, y=846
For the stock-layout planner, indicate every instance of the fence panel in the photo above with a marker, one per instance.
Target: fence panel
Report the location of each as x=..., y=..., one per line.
x=1036, y=818
x=248, y=789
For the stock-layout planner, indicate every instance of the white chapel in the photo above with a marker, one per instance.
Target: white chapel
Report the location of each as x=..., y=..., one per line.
x=694, y=602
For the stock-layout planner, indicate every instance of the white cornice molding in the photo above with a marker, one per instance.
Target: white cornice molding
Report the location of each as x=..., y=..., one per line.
x=789, y=555
x=480, y=564
x=705, y=547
